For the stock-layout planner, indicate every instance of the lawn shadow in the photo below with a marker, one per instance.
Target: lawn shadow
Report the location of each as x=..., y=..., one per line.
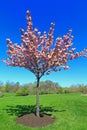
x=20, y=110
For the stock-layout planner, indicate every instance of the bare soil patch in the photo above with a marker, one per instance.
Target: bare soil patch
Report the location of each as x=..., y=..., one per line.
x=33, y=121
x=83, y=94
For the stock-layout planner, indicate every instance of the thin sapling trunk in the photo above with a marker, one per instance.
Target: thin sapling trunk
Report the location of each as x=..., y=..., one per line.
x=37, y=99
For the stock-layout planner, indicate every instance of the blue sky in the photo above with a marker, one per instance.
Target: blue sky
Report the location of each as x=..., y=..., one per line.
x=66, y=14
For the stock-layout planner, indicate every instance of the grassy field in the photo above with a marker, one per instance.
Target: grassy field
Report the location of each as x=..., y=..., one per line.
x=70, y=111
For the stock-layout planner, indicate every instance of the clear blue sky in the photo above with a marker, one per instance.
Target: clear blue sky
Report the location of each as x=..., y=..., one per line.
x=66, y=14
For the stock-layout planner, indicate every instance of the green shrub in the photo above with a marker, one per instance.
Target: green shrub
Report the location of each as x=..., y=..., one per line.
x=22, y=91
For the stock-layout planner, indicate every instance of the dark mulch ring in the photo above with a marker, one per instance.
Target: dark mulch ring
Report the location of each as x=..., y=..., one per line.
x=33, y=121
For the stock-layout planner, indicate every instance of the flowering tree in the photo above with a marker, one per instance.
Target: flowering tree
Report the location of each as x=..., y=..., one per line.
x=38, y=54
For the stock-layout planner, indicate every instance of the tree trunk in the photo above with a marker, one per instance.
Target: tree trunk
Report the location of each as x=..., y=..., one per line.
x=37, y=99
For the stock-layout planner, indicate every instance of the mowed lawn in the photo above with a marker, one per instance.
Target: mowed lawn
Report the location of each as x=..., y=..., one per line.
x=69, y=110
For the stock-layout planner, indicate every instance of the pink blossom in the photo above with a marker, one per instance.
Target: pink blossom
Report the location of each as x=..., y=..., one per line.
x=37, y=52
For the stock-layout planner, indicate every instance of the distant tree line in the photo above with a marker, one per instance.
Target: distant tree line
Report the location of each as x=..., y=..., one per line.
x=46, y=87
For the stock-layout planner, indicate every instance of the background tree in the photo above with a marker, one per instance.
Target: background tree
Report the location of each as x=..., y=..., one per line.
x=8, y=87
x=38, y=54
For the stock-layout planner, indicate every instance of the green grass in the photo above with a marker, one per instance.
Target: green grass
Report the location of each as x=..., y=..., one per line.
x=70, y=111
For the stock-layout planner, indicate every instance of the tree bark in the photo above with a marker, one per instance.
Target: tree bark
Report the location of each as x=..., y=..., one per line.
x=37, y=99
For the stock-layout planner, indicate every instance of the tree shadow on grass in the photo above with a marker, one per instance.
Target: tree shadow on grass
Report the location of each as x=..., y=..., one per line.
x=20, y=110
